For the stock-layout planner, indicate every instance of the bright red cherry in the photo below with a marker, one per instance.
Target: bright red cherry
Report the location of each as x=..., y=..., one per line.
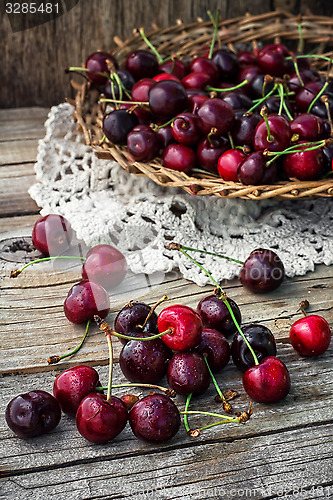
x=228, y=164
x=72, y=385
x=186, y=325
x=272, y=59
x=104, y=265
x=165, y=76
x=99, y=420
x=84, y=301
x=268, y=382
x=174, y=67
x=310, y=336
x=308, y=127
x=141, y=89
x=280, y=134
x=304, y=165
x=196, y=80
x=205, y=65
x=52, y=234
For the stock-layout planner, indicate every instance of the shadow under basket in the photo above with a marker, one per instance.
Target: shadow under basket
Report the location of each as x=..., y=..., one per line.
x=193, y=39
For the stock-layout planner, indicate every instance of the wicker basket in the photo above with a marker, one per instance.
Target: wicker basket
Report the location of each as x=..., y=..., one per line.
x=192, y=39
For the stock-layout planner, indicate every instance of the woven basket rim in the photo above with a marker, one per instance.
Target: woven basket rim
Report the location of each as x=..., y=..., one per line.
x=318, y=30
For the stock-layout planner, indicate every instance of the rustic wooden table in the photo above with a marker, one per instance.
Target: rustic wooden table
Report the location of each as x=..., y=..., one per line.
x=284, y=451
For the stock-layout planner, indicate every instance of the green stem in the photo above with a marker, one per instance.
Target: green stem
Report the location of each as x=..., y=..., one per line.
x=320, y=93
x=212, y=253
x=86, y=70
x=263, y=113
x=229, y=89
x=209, y=414
x=150, y=45
x=281, y=93
x=236, y=420
x=55, y=359
x=104, y=327
x=305, y=56
x=118, y=101
x=201, y=267
x=108, y=336
x=307, y=146
x=16, y=272
x=188, y=399
x=260, y=101
x=218, y=390
x=298, y=72
x=216, y=27
x=145, y=386
x=232, y=144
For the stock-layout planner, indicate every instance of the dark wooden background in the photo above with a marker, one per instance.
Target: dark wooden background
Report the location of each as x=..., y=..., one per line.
x=32, y=60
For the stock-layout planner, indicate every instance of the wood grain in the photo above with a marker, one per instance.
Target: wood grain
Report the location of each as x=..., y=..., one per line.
x=67, y=40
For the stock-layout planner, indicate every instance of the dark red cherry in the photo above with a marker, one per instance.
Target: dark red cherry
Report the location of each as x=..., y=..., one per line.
x=141, y=89
x=174, y=67
x=271, y=59
x=186, y=327
x=130, y=319
x=263, y=271
x=167, y=99
x=119, y=123
x=252, y=169
x=111, y=88
x=209, y=151
x=142, y=113
x=52, y=235
x=72, y=385
x=305, y=95
x=268, y=382
x=261, y=340
x=188, y=373
x=280, y=134
x=228, y=164
x=144, y=361
x=205, y=65
x=215, y=347
x=243, y=129
x=248, y=73
x=215, y=314
x=237, y=100
x=142, y=64
x=304, y=165
x=100, y=62
x=308, y=127
x=273, y=103
x=216, y=113
x=245, y=57
x=155, y=418
x=99, y=420
x=142, y=143
x=307, y=76
x=196, y=80
x=84, y=301
x=311, y=335
x=104, y=265
x=164, y=135
x=179, y=157
x=227, y=64
x=186, y=129
x=33, y=414
x=195, y=99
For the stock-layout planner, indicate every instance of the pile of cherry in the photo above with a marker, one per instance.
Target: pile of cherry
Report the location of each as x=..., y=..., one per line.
x=251, y=117
x=187, y=346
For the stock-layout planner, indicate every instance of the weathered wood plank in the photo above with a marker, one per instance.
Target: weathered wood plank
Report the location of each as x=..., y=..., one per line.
x=22, y=123
x=18, y=151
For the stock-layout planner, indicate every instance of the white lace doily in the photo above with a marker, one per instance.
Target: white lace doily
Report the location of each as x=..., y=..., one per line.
x=106, y=204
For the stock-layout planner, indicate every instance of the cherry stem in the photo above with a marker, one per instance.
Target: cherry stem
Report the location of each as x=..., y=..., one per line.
x=320, y=93
x=325, y=100
x=157, y=127
x=281, y=93
x=187, y=404
x=169, y=392
x=86, y=70
x=16, y=272
x=263, y=113
x=232, y=144
x=152, y=309
x=104, y=327
x=305, y=56
x=260, y=101
x=151, y=46
x=55, y=359
x=216, y=27
x=297, y=71
x=229, y=89
x=307, y=146
x=210, y=414
x=109, y=339
x=236, y=420
x=118, y=101
x=178, y=246
x=303, y=306
x=300, y=47
x=226, y=405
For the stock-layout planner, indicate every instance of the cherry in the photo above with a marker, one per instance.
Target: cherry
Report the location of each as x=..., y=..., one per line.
x=310, y=336
x=188, y=373
x=119, y=123
x=99, y=62
x=141, y=64
x=130, y=320
x=261, y=340
x=186, y=129
x=197, y=80
x=245, y=57
x=179, y=157
x=216, y=113
x=84, y=300
x=111, y=87
x=205, y=65
x=248, y=73
x=104, y=265
x=72, y=385
x=155, y=418
x=263, y=271
x=215, y=314
x=195, y=99
x=185, y=323
x=142, y=143
x=142, y=113
x=165, y=76
x=52, y=234
x=144, y=361
x=141, y=89
x=271, y=59
x=277, y=138
x=306, y=94
x=268, y=382
x=257, y=84
x=215, y=347
x=308, y=127
x=306, y=75
x=167, y=99
x=228, y=164
x=227, y=64
x=100, y=420
x=304, y=165
x=164, y=135
x=237, y=100
x=33, y=414
x=252, y=169
x=174, y=67
x=243, y=129
x=209, y=151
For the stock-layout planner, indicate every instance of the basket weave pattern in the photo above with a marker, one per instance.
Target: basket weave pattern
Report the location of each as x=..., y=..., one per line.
x=193, y=39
